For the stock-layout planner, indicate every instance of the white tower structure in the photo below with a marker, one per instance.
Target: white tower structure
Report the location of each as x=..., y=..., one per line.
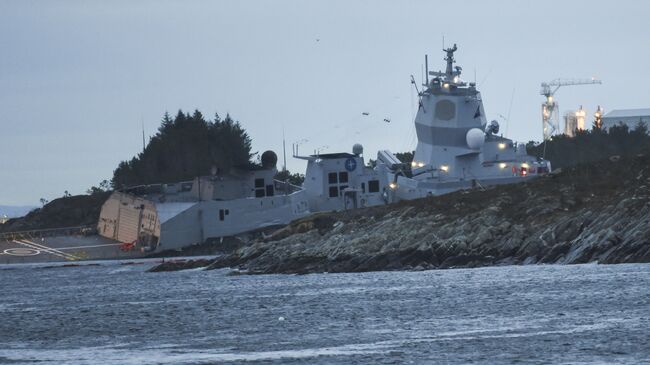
x=598, y=117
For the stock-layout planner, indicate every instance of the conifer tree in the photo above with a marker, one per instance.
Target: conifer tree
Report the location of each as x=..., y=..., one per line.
x=184, y=147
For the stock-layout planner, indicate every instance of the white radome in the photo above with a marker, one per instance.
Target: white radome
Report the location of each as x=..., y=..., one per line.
x=357, y=149
x=475, y=138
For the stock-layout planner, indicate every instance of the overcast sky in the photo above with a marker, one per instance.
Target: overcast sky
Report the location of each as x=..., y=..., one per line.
x=78, y=78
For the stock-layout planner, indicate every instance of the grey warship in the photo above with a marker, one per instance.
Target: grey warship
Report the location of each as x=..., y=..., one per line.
x=457, y=148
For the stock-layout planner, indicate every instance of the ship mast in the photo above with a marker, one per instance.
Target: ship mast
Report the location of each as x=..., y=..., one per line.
x=452, y=73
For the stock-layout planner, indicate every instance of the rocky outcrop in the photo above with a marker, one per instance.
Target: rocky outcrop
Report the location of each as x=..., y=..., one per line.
x=176, y=265
x=590, y=213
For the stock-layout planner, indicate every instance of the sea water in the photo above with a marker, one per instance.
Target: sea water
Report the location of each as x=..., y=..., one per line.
x=120, y=314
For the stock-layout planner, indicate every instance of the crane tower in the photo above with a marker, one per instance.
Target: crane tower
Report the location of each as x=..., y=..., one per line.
x=550, y=112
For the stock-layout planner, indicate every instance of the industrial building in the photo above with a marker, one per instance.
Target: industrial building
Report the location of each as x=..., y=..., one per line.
x=629, y=117
x=574, y=121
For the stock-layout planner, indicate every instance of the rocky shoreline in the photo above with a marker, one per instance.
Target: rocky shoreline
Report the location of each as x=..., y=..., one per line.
x=589, y=213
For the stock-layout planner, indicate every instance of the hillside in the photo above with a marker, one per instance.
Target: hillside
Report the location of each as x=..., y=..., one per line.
x=72, y=211
x=598, y=212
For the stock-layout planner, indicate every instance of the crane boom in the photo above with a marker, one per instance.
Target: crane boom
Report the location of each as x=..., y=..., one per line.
x=546, y=86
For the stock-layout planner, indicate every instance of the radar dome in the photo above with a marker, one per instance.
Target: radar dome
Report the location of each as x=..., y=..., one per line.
x=269, y=160
x=475, y=138
x=357, y=149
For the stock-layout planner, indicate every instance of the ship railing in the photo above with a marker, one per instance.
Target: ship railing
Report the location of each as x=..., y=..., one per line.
x=285, y=187
x=160, y=188
x=48, y=232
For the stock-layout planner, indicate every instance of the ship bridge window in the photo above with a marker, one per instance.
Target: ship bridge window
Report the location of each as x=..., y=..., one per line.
x=334, y=191
x=186, y=186
x=269, y=190
x=445, y=110
x=334, y=180
x=373, y=186
x=259, y=188
x=223, y=213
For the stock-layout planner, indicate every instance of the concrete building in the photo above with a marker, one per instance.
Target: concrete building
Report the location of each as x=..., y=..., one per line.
x=574, y=121
x=630, y=117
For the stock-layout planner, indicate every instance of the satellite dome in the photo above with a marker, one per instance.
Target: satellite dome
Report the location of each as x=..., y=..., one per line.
x=357, y=149
x=269, y=159
x=475, y=138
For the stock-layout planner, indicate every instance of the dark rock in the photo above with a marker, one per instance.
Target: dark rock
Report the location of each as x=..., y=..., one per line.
x=556, y=252
x=177, y=265
x=587, y=213
x=466, y=261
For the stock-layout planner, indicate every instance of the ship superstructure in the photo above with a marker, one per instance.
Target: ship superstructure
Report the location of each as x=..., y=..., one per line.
x=457, y=148
x=341, y=181
x=162, y=217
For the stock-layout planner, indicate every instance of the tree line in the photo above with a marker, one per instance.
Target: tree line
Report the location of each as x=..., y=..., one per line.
x=592, y=145
x=187, y=146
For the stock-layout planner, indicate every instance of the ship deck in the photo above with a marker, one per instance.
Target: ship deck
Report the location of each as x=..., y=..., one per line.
x=29, y=249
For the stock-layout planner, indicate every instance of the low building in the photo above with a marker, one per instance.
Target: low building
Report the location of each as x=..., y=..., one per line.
x=629, y=117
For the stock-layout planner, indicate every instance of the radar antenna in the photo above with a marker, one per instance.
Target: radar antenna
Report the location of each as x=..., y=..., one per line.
x=452, y=73
x=450, y=60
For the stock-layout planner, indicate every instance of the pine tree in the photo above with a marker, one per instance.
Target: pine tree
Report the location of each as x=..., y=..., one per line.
x=184, y=147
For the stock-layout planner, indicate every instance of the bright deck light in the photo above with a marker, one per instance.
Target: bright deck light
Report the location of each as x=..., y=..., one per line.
x=444, y=168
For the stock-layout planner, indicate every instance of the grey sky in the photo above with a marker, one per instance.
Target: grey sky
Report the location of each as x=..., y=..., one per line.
x=77, y=78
